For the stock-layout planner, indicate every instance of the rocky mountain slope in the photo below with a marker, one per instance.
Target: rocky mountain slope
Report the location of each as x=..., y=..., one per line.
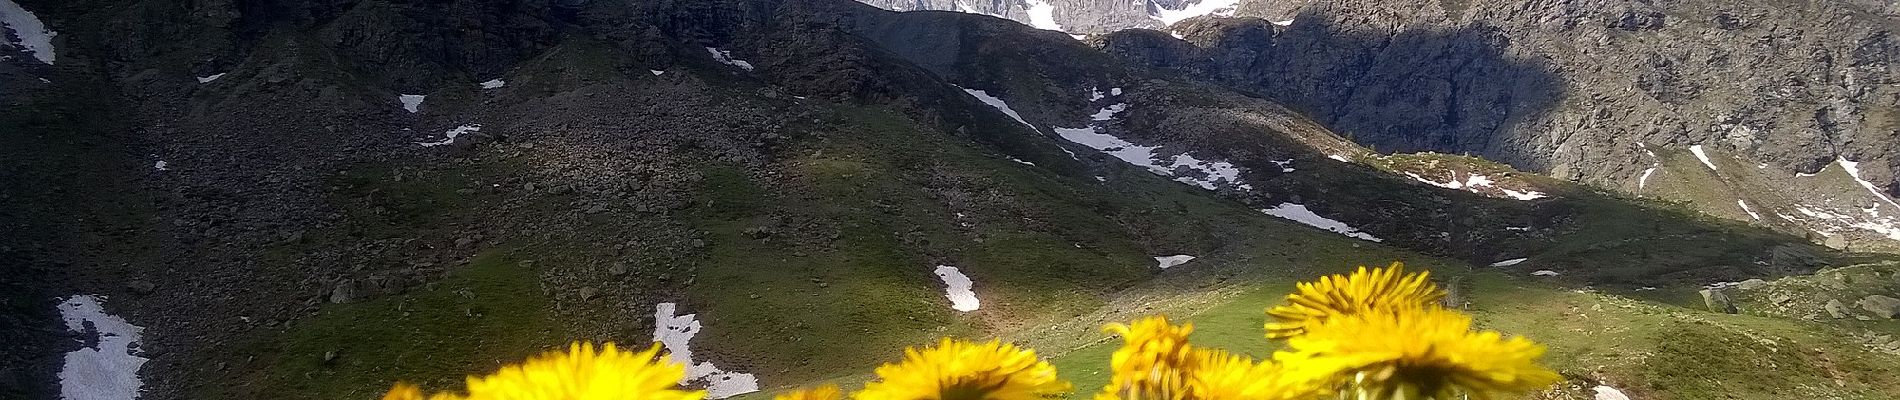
x=310, y=199
x=1582, y=91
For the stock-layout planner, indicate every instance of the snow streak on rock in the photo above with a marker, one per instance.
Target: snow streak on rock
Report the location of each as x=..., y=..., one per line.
x=957, y=289
x=1299, y=213
x=1853, y=170
x=449, y=137
x=674, y=332
x=496, y=83
x=1172, y=261
x=33, y=35
x=107, y=369
x=725, y=57
x=1700, y=155
x=1510, y=262
x=212, y=77
x=1750, y=211
x=998, y=103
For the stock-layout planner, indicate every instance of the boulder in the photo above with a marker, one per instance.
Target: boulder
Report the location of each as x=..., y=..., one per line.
x=1718, y=301
x=1881, y=306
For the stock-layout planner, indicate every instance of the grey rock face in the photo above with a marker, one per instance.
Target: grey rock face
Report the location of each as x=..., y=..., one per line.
x=1566, y=88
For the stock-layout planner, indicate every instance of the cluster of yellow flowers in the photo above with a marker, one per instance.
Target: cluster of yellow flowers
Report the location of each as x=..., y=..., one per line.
x=1373, y=335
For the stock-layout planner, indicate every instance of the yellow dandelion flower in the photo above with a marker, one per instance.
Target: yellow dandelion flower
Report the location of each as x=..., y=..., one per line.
x=826, y=392
x=1219, y=375
x=963, y=370
x=1362, y=291
x=580, y=373
x=1154, y=361
x=1417, y=353
x=408, y=391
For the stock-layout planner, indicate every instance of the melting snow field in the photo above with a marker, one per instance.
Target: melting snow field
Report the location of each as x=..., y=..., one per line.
x=449, y=137
x=212, y=77
x=1211, y=174
x=108, y=370
x=725, y=57
x=1223, y=8
x=1609, y=393
x=1700, y=155
x=673, y=332
x=1299, y=213
x=1510, y=262
x=496, y=83
x=1172, y=261
x=1475, y=181
x=411, y=102
x=34, y=37
x=958, y=289
x=1042, y=15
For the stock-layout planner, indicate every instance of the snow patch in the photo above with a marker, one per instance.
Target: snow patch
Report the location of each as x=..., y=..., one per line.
x=1285, y=165
x=1114, y=91
x=411, y=102
x=1340, y=158
x=957, y=289
x=212, y=77
x=160, y=165
x=496, y=83
x=33, y=35
x=656, y=72
x=1042, y=15
x=449, y=137
x=1223, y=8
x=1525, y=195
x=1510, y=262
x=1020, y=161
x=998, y=103
x=725, y=57
x=1299, y=213
x=1643, y=182
x=1700, y=155
x=1172, y=261
x=673, y=332
x=1108, y=113
x=109, y=369
x=1285, y=22
x=1545, y=272
x=1750, y=211
x=1609, y=393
